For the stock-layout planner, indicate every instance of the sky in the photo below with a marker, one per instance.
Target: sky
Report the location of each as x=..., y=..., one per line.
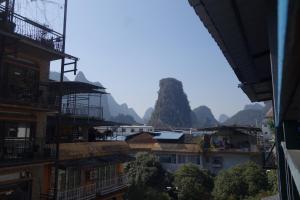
x=129, y=45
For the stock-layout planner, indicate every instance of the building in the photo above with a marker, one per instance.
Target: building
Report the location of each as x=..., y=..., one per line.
x=88, y=166
x=89, y=170
x=125, y=130
x=259, y=39
x=219, y=148
x=267, y=126
x=26, y=50
x=48, y=147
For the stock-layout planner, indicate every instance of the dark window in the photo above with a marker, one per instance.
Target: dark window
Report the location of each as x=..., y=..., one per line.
x=21, y=84
x=167, y=158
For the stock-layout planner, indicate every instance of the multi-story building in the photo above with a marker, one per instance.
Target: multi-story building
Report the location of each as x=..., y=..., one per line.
x=26, y=50
x=216, y=149
x=48, y=148
x=88, y=167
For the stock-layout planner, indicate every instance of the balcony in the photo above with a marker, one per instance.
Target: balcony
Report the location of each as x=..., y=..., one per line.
x=22, y=150
x=30, y=30
x=107, y=186
x=87, y=192
x=35, y=98
x=82, y=110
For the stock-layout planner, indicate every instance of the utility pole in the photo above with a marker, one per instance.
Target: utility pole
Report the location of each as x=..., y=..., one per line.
x=59, y=120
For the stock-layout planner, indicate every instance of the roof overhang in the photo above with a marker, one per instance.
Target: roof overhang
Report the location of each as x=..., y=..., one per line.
x=240, y=29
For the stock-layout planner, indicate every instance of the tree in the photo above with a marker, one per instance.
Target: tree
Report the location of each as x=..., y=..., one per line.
x=193, y=183
x=147, y=178
x=273, y=181
x=240, y=182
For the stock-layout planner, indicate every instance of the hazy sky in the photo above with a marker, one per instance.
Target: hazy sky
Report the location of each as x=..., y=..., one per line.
x=129, y=45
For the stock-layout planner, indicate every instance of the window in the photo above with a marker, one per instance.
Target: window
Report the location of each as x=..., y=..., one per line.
x=181, y=158
x=167, y=158
x=17, y=129
x=132, y=130
x=141, y=130
x=123, y=130
x=22, y=83
x=217, y=161
x=194, y=159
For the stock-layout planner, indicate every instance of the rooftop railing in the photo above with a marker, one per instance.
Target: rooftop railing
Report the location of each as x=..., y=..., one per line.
x=83, y=110
x=24, y=27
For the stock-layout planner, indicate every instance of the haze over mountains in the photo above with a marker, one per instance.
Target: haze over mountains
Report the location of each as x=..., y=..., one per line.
x=172, y=109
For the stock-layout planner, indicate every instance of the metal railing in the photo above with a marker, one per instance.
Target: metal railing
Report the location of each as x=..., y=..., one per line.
x=107, y=186
x=29, y=29
x=25, y=149
x=81, y=193
x=37, y=97
x=83, y=110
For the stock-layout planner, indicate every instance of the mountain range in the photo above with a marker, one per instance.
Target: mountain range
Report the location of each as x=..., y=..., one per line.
x=172, y=108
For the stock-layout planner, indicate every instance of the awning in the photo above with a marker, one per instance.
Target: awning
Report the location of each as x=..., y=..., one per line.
x=71, y=87
x=241, y=31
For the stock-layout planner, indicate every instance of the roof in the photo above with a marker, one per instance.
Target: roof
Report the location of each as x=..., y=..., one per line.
x=136, y=126
x=167, y=135
x=81, y=150
x=96, y=161
x=252, y=131
x=71, y=87
x=242, y=35
x=166, y=147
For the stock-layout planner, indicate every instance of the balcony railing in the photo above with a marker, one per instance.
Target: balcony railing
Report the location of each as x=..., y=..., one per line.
x=81, y=193
x=111, y=185
x=31, y=30
x=83, y=110
x=33, y=97
x=25, y=149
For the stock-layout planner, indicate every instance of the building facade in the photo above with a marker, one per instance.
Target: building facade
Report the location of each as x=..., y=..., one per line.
x=26, y=50
x=220, y=148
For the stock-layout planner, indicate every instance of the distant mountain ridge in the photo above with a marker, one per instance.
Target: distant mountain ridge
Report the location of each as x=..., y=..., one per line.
x=204, y=118
x=111, y=109
x=147, y=115
x=223, y=118
x=251, y=115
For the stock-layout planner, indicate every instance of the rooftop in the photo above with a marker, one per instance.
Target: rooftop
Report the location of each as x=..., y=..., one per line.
x=167, y=135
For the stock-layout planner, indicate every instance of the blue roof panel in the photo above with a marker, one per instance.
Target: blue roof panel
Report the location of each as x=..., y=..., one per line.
x=168, y=135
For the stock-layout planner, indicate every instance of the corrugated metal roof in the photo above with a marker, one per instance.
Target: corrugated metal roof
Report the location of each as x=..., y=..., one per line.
x=168, y=135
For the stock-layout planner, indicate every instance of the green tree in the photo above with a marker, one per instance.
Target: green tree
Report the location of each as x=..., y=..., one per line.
x=273, y=181
x=193, y=183
x=240, y=182
x=147, y=178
